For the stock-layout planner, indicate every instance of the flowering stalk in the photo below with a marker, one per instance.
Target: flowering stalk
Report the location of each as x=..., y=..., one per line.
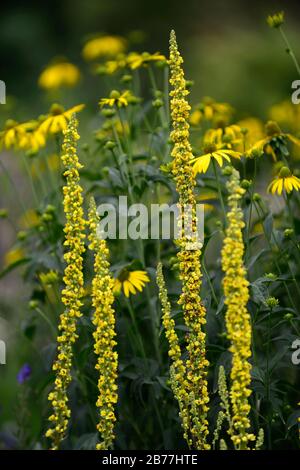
x=237, y=318
x=189, y=259
x=177, y=368
x=73, y=291
x=104, y=321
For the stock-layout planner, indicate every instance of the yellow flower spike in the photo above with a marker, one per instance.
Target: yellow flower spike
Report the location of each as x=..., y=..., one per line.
x=73, y=291
x=238, y=322
x=285, y=181
x=189, y=260
x=104, y=46
x=58, y=118
x=58, y=75
x=104, y=334
x=177, y=367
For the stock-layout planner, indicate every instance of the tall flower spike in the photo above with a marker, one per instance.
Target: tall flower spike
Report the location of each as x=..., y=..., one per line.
x=104, y=334
x=177, y=368
x=237, y=318
x=73, y=291
x=189, y=259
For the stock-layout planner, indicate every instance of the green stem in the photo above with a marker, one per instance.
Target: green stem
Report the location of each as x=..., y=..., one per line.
x=289, y=50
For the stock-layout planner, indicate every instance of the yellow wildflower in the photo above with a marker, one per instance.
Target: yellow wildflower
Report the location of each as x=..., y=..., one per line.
x=189, y=259
x=58, y=75
x=58, y=118
x=273, y=135
x=116, y=99
x=104, y=334
x=276, y=20
x=105, y=46
x=11, y=134
x=33, y=138
x=210, y=110
x=177, y=368
x=130, y=282
x=73, y=291
x=216, y=147
x=237, y=318
x=135, y=60
x=285, y=181
x=29, y=219
x=253, y=131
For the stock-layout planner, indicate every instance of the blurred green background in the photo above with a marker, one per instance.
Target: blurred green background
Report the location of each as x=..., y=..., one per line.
x=230, y=52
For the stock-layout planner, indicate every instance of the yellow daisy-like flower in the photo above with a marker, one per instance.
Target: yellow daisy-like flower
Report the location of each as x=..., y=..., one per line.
x=11, y=134
x=116, y=99
x=131, y=282
x=58, y=75
x=274, y=133
x=209, y=110
x=33, y=138
x=135, y=60
x=284, y=182
x=105, y=46
x=201, y=164
x=58, y=118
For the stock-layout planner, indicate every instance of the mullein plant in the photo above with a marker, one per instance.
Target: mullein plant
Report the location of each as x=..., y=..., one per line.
x=191, y=386
x=238, y=322
x=73, y=290
x=104, y=334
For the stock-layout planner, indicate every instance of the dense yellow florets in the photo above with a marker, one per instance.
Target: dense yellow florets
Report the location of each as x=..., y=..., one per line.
x=104, y=334
x=73, y=291
x=189, y=259
x=238, y=322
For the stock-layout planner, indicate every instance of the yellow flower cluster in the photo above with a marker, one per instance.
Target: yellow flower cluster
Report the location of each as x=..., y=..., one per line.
x=104, y=321
x=73, y=291
x=189, y=259
x=177, y=369
x=131, y=61
x=238, y=323
x=57, y=75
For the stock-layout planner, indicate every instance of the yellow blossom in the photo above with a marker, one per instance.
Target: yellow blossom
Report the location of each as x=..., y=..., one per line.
x=276, y=20
x=58, y=75
x=104, y=334
x=73, y=291
x=135, y=60
x=210, y=110
x=238, y=322
x=195, y=381
x=104, y=46
x=285, y=181
x=130, y=282
x=216, y=146
x=116, y=99
x=11, y=134
x=58, y=118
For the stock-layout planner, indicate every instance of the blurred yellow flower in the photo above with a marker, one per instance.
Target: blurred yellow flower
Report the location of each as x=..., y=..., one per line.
x=58, y=118
x=49, y=278
x=135, y=60
x=276, y=20
x=130, y=282
x=286, y=114
x=253, y=130
x=284, y=182
x=33, y=138
x=29, y=219
x=58, y=75
x=116, y=98
x=273, y=131
x=210, y=110
x=105, y=46
x=14, y=255
x=11, y=134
